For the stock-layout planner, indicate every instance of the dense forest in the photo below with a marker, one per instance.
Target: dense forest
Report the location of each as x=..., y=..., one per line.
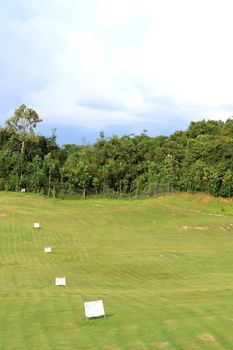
x=198, y=159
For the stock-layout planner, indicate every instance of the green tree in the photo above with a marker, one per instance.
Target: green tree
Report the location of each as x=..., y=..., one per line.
x=50, y=168
x=22, y=123
x=226, y=189
x=168, y=172
x=35, y=174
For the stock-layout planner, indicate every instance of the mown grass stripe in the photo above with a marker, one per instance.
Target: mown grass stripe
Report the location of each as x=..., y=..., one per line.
x=112, y=252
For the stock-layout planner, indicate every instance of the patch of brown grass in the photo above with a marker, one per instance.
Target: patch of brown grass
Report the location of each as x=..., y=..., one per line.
x=162, y=345
x=207, y=338
x=198, y=228
x=225, y=227
x=202, y=228
x=170, y=322
x=206, y=199
x=214, y=214
x=224, y=200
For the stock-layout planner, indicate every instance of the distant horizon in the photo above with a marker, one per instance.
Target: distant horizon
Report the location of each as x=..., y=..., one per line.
x=86, y=136
x=66, y=134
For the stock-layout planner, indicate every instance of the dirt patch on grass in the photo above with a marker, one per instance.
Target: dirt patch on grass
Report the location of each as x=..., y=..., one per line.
x=225, y=227
x=206, y=199
x=207, y=338
x=214, y=214
x=202, y=228
x=3, y=215
x=224, y=200
x=198, y=228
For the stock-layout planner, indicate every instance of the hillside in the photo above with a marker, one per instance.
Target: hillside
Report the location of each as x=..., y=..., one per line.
x=163, y=268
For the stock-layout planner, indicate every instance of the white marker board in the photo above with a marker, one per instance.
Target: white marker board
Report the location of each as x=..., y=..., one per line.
x=60, y=281
x=36, y=225
x=47, y=249
x=94, y=308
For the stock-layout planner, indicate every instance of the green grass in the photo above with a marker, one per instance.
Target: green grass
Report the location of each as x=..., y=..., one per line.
x=111, y=250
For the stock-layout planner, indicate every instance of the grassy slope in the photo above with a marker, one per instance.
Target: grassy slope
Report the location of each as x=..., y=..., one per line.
x=111, y=250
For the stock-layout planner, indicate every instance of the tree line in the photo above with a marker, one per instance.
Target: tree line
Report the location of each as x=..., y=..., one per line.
x=197, y=159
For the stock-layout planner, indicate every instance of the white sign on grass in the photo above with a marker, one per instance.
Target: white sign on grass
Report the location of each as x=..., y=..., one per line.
x=94, y=308
x=36, y=225
x=60, y=281
x=47, y=249
x=23, y=190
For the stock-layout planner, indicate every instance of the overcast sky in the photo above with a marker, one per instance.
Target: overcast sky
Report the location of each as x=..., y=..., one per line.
x=116, y=65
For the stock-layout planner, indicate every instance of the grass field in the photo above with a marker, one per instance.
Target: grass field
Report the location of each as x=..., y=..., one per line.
x=163, y=267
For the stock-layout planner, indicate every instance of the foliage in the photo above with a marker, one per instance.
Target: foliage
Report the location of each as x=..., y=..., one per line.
x=23, y=121
x=198, y=159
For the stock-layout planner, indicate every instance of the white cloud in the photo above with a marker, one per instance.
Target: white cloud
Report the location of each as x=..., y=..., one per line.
x=100, y=62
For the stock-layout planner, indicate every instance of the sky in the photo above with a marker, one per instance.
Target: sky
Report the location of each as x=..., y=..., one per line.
x=118, y=66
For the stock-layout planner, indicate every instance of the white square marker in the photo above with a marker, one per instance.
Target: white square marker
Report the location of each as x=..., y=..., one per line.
x=47, y=249
x=23, y=190
x=60, y=281
x=36, y=225
x=94, y=308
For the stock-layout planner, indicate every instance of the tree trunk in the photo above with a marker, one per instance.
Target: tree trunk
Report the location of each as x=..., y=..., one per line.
x=49, y=188
x=22, y=159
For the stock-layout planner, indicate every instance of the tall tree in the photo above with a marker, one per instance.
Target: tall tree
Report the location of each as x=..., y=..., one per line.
x=49, y=167
x=22, y=123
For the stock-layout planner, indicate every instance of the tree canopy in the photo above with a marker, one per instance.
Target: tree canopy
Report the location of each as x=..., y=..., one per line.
x=23, y=121
x=198, y=159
